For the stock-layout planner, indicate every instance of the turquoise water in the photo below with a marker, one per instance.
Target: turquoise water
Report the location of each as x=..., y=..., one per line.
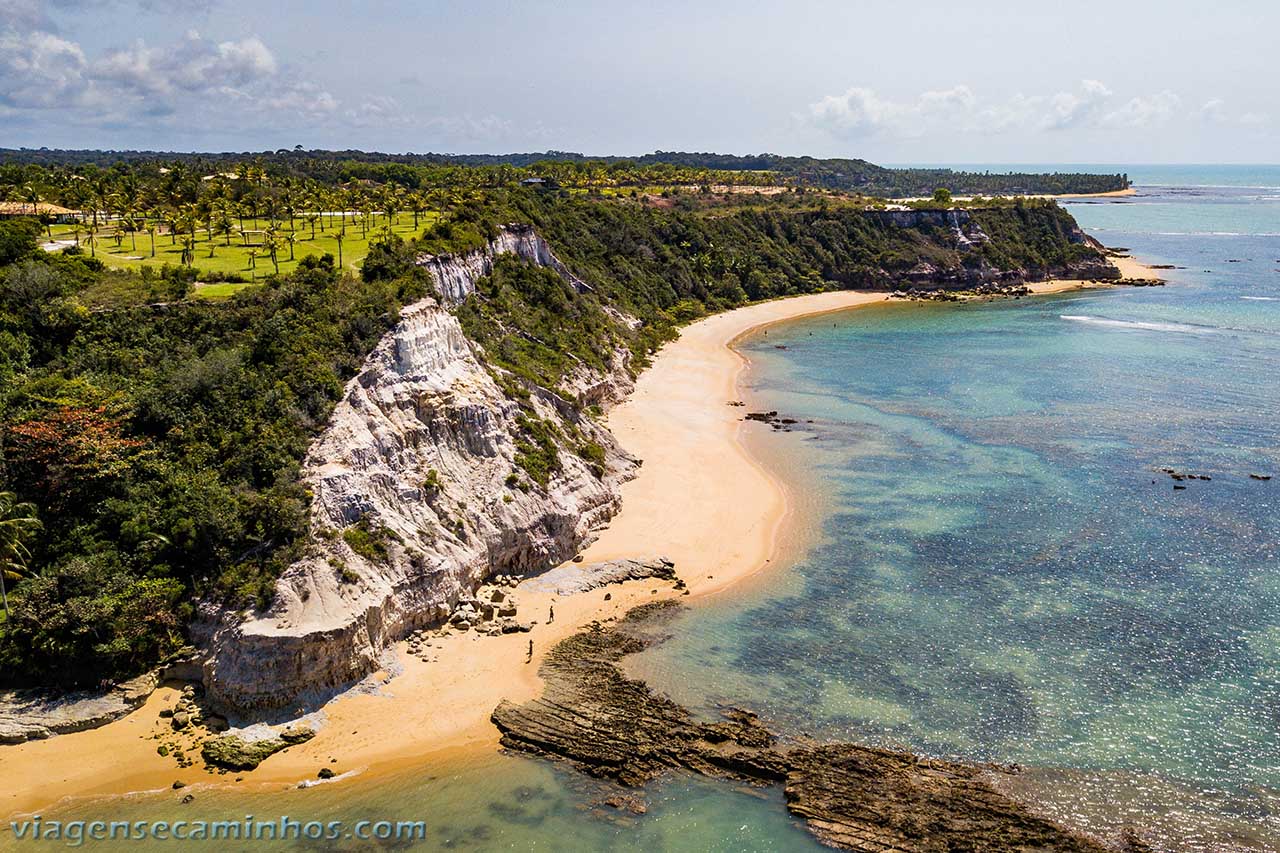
x=993, y=575
x=1003, y=576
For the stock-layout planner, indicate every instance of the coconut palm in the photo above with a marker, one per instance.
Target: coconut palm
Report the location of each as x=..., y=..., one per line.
x=417, y=204
x=272, y=244
x=31, y=195
x=18, y=522
x=288, y=199
x=223, y=221
x=392, y=202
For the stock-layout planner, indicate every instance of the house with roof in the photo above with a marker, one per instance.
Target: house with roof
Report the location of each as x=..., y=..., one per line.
x=43, y=210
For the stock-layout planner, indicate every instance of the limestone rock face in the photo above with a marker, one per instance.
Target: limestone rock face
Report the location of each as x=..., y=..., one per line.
x=420, y=456
x=456, y=274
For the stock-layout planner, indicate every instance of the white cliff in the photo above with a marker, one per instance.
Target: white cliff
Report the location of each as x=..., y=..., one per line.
x=421, y=450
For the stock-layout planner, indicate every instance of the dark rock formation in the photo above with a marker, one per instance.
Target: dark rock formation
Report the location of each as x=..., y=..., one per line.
x=850, y=796
x=232, y=752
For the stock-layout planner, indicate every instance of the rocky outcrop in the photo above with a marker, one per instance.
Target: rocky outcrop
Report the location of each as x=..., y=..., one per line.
x=233, y=752
x=34, y=715
x=418, y=495
x=850, y=796
x=964, y=230
x=573, y=578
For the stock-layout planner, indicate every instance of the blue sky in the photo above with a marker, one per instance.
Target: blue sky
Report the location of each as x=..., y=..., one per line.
x=922, y=81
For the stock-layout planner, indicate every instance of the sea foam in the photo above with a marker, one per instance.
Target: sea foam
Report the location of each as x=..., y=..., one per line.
x=1181, y=328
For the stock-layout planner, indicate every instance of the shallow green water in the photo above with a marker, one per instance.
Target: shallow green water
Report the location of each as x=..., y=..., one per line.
x=498, y=803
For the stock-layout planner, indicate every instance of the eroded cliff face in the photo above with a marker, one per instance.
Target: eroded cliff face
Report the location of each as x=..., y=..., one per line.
x=456, y=275
x=959, y=230
x=417, y=498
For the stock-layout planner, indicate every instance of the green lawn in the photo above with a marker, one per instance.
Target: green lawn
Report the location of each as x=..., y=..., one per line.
x=235, y=258
x=218, y=291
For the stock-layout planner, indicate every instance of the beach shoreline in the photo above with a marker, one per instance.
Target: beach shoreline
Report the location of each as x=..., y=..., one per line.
x=719, y=530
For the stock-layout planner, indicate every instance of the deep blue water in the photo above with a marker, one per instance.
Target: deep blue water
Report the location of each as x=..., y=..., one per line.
x=996, y=569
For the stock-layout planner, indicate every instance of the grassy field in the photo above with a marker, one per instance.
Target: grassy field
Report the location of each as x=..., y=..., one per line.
x=134, y=251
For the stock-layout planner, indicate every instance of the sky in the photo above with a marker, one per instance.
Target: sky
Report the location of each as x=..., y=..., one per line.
x=893, y=82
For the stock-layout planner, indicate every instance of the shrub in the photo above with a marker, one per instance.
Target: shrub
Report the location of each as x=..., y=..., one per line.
x=368, y=540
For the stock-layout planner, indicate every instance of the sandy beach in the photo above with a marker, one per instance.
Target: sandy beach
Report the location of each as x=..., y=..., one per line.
x=719, y=529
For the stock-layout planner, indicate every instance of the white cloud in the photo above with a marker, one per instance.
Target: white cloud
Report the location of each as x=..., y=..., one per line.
x=861, y=112
x=193, y=65
x=304, y=99
x=378, y=111
x=1144, y=112
x=858, y=112
x=1216, y=111
x=1071, y=109
x=39, y=70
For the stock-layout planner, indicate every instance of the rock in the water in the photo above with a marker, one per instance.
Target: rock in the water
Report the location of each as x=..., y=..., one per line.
x=850, y=796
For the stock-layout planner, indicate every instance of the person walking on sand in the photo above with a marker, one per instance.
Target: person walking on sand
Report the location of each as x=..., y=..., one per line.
x=530, y=657
x=551, y=616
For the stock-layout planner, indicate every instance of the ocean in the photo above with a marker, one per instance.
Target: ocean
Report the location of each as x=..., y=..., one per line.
x=987, y=563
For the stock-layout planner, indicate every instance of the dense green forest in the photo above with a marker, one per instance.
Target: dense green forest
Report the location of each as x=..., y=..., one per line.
x=150, y=441
x=578, y=170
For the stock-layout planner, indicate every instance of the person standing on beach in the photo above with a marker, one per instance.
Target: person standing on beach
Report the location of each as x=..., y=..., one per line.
x=530, y=657
x=551, y=616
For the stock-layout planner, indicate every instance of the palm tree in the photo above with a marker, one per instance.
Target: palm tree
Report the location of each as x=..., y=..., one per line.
x=272, y=244
x=391, y=204
x=17, y=522
x=224, y=221
x=340, y=236
x=31, y=195
x=288, y=199
x=104, y=196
